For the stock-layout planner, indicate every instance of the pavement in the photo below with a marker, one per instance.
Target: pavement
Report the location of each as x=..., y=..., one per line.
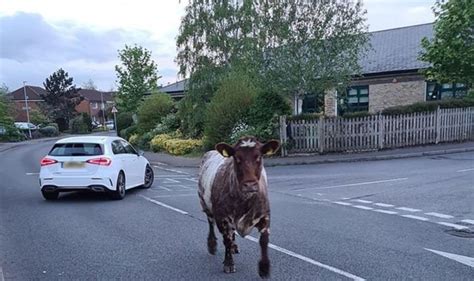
x=408, y=152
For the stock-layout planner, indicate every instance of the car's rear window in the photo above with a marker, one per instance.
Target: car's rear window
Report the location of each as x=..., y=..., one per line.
x=76, y=149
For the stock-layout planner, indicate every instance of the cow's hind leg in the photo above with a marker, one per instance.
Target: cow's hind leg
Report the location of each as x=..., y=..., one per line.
x=235, y=248
x=226, y=229
x=211, y=237
x=264, y=263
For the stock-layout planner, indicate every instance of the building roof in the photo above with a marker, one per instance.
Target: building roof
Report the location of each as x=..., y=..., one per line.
x=32, y=92
x=94, y=95
x=175, y=89
x=396, y=49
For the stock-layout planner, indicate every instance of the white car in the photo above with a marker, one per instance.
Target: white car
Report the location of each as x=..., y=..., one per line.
x=25, y=126
x=97, y=163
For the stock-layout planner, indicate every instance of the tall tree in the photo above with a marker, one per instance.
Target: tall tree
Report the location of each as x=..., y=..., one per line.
x=137, y=76
x=89, y=85
x=451, y=50
x=61, y=98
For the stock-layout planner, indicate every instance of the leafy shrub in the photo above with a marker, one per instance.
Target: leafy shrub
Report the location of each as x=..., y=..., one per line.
x=174, y=146
x=158, y=142
x=49, y=131
x=54, y=125
x=228, y=107
x=78, y=125
x=37, y=117
x=124, y=120
x=152, y=110
x=128, y=132
x=304, y=116
x=88, y=121
x=356, y=114
x=428, y=106
x=133, y=140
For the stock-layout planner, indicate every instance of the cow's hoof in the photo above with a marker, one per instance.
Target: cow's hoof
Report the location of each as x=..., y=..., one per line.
x=264, y=269
x=212, y=247
x=229, y=268
x=235, y=249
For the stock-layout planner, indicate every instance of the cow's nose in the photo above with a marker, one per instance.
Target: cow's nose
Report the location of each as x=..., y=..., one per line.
x=250, y=186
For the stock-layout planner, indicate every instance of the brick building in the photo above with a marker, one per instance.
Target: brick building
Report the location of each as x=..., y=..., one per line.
x=33, y=94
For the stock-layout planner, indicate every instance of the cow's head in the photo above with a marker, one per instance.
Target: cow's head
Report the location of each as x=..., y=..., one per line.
x=247, y=156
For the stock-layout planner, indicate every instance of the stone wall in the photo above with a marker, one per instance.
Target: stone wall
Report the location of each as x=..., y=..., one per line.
x=386, y=95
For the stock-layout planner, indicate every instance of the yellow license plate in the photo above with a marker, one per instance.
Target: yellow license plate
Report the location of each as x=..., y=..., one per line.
x=73, y=165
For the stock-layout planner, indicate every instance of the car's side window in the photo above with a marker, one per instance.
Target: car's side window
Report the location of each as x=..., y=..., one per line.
x=117, y=147
x=128, y=148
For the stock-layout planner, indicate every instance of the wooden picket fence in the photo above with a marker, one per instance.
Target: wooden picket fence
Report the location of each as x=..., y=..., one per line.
x=376, y=132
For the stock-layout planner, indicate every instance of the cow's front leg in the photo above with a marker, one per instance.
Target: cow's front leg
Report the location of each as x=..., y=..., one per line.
x=264, y=263
x=211, y=237
x=235, y=248
x=227, y=232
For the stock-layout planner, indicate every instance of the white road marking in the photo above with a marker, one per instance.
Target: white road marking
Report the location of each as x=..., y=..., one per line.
x=308, y=260
x=165, y=188
x=468, y=221
x=160, y=163
x=408, y=209
x=319, y=194
x=193, y=180
x=362, y=207
x=2, y=278
x=453, y=225
x=363, y=201
x=164, y=205
x=385, y=211
x=465, y=170
x=184, y=186
x=32, y=174
x=461, y=259
x=174, y=195
x=416, y=217
x=438, y=215
x=345, y=198
x=384, y=205
x=172, y=170
x=356, y=184
x=342, y=203
x=172, y=180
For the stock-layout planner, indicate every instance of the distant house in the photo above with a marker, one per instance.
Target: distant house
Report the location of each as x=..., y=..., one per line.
x=33, y=95
x=175, y=90
x=96, y=104
x=390, y=77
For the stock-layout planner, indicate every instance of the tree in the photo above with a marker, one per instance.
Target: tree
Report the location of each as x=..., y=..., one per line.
x=61, y=98
x=451, y=51
x=89, y=85
x=152, y=110
x=285, y=46
x=137, y=76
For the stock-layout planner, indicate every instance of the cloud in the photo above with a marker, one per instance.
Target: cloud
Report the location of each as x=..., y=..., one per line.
x=33, y=48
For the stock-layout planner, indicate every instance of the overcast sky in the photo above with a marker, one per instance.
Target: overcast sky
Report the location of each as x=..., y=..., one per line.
x=82, y=37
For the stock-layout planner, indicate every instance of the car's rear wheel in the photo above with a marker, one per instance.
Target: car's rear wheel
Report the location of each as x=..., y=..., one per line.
x=149, y=177
x=119, y=192
x=50, y=195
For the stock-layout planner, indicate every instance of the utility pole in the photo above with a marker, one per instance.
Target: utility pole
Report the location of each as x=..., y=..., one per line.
x=103, y=109
x=27, y=109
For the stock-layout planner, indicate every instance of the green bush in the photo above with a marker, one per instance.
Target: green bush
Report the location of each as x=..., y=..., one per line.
x=357, y=114
x=88, y=121
x=152, y=110
x=49, y=131
x=229, y=107
x=428, y=106
x=38, y=118
x=79, y=126
x=175, y=146
x=128, y=132
x=124, y=120
x=133, y=140
x=54, y=125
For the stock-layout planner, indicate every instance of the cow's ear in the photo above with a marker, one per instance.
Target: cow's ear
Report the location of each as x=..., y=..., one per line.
x=224, y=149
x=270, y=147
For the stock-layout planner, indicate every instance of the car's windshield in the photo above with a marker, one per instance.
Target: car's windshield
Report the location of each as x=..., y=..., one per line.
x=76, y=149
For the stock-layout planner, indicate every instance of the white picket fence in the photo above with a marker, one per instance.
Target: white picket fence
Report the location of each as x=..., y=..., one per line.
x=376, y=132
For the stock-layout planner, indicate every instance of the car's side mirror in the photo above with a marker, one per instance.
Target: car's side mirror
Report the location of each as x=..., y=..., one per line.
x=141, y=152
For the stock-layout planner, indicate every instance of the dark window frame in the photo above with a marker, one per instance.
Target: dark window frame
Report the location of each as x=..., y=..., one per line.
x=434, y=90
x=359, y=106
x=119, y=143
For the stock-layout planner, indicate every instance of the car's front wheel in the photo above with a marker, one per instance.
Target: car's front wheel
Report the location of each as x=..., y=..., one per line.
x=149, y=177
x=119, y=192
x=50, y=195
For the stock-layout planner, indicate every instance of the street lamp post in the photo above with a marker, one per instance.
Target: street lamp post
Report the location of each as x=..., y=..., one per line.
x=114, y=111
x=27, y=109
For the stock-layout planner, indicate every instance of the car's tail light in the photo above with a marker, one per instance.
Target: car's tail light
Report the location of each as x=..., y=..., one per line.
x=47, y=161
x=102, y=161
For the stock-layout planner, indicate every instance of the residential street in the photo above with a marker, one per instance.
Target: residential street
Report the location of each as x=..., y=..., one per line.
x=402, y=219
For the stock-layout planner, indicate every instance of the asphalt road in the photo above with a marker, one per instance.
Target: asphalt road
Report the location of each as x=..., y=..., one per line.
x=407, y=219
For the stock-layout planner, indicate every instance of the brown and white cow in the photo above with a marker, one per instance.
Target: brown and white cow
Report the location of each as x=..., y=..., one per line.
x=233, y=194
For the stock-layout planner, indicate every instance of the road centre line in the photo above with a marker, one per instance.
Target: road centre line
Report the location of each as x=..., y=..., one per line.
x=190, y=179
x=468, y=221
x=342, y=203
x=2, y=278
x=174, y=195
x=355, y=184
x=165, y=188
x=164, y=205
x=465, y=170
x=308, y=260
x=362, y=207
x=172, y=180
x=385, y=211
x=415, y=217
x=453, y=225
x=32, y=174
x=172, y=170
x=363, y=201
x=408, y=209
x=438, y=215
x=384, y=205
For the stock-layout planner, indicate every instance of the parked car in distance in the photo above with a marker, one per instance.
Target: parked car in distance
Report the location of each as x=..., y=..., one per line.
x=110, y=125
x=26, y=126
x=96, y=163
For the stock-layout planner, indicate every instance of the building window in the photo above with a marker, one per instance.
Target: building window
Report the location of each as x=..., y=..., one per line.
x=358, y=98
x=94, y=105
x=435, y=91
x=310, y=104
